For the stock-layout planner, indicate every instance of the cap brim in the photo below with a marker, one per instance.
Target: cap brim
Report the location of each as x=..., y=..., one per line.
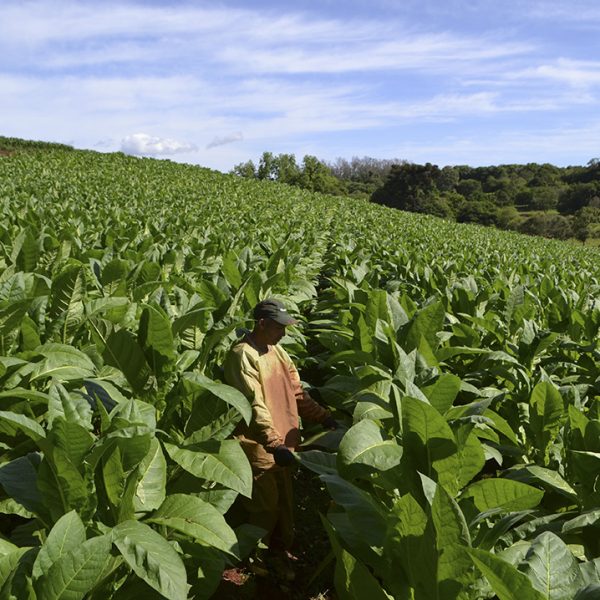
x=284, y=320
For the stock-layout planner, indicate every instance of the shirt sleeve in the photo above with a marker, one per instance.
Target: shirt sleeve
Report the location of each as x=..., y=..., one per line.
x=308, y=408
x=243, y=375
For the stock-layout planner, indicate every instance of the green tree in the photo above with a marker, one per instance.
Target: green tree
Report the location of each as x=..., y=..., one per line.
x=483, y=212
x=550, y=226
x=447, y=179
x=286, y=169
x=544, y=198
x=316, y=177
x=508, y=217
x=586, y=223
x=469, y=188
x=407, y=186
x=267, y=166
x=502, y=198
x=576, y=196
x=245, y=169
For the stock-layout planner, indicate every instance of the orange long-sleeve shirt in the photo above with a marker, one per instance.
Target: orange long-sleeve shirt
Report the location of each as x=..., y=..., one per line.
x=272, y=384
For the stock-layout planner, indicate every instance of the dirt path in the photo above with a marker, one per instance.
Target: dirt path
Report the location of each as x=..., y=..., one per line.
x=311, y=550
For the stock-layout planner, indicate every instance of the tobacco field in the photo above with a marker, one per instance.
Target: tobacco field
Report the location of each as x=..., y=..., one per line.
x=463, y=361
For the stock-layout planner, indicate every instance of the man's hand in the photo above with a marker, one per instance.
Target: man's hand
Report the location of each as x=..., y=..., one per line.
x=284, y=457
x=330, y=423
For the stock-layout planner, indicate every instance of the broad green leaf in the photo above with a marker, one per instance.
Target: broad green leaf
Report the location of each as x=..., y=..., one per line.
x=19, y=480
x=76, y=571
x=151, y=488
x=213, y=296
x=546, y=477
x=222, y=500
x=8, y=563
x=62, y=485
x=63, y=363
x=196, y=381
x=11, y=423
x=74, y=408
x=8, y=506
x=370, y=410
x=429, y=444
x=585, y=467
x=364, y=511
x=352, y=578
x=32, y=396
x=113, y=475
x=67, y=534
x=67, y=293
x=152, y=558
x=452, y=540
x=546, y=414
x=363, y=446
x=12, y=316
x=470, y=455
x=231, y=271
x=156, y=338
x=133, y=417
x=507, y=582
x=198, y=318
x=111, y=308
x=211, y=564
x=75, y=440
x=424, y=326
x=411, y=545
x=501, y=425
x=221, y=462
x=123, y=352
x=552, y=568
x=18, y=585
x=197, y=519
x=443, y=392
x=502, y=494
x=363, y=335
x=319, y=462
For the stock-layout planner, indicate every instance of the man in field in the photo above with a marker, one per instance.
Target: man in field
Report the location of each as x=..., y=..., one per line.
x=265, y=374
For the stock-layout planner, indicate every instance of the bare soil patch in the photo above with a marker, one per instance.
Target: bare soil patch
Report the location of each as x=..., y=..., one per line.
x=314, y=580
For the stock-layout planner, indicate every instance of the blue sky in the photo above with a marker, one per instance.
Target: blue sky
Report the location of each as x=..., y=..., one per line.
x=216, y=83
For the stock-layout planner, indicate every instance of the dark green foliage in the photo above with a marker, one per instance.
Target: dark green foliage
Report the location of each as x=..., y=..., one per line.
x=16, y=144
x=550, y=226
x=442, y=192
x=407, y=186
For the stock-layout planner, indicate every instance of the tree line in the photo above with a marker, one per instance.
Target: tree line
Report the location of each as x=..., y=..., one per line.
x=538, y=199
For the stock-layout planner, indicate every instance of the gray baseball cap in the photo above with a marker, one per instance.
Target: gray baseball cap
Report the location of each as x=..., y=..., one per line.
x=275, y=310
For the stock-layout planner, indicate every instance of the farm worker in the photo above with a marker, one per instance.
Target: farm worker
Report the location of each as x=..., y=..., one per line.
x=266, y=375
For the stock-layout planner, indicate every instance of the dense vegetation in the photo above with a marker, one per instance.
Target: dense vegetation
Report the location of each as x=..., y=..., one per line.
x=535, y=199
x=464, y=361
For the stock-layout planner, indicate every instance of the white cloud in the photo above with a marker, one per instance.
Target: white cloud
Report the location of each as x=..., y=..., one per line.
x=143, y=144
x=236, y=136
x=59, y=34
x=289, y=80
x=576, y=73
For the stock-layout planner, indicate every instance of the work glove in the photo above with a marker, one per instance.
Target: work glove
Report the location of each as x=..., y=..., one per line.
x=283, y=456
x=330, y=423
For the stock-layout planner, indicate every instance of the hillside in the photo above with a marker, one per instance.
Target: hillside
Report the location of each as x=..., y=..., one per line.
x=536, y=199
x=463, y=360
